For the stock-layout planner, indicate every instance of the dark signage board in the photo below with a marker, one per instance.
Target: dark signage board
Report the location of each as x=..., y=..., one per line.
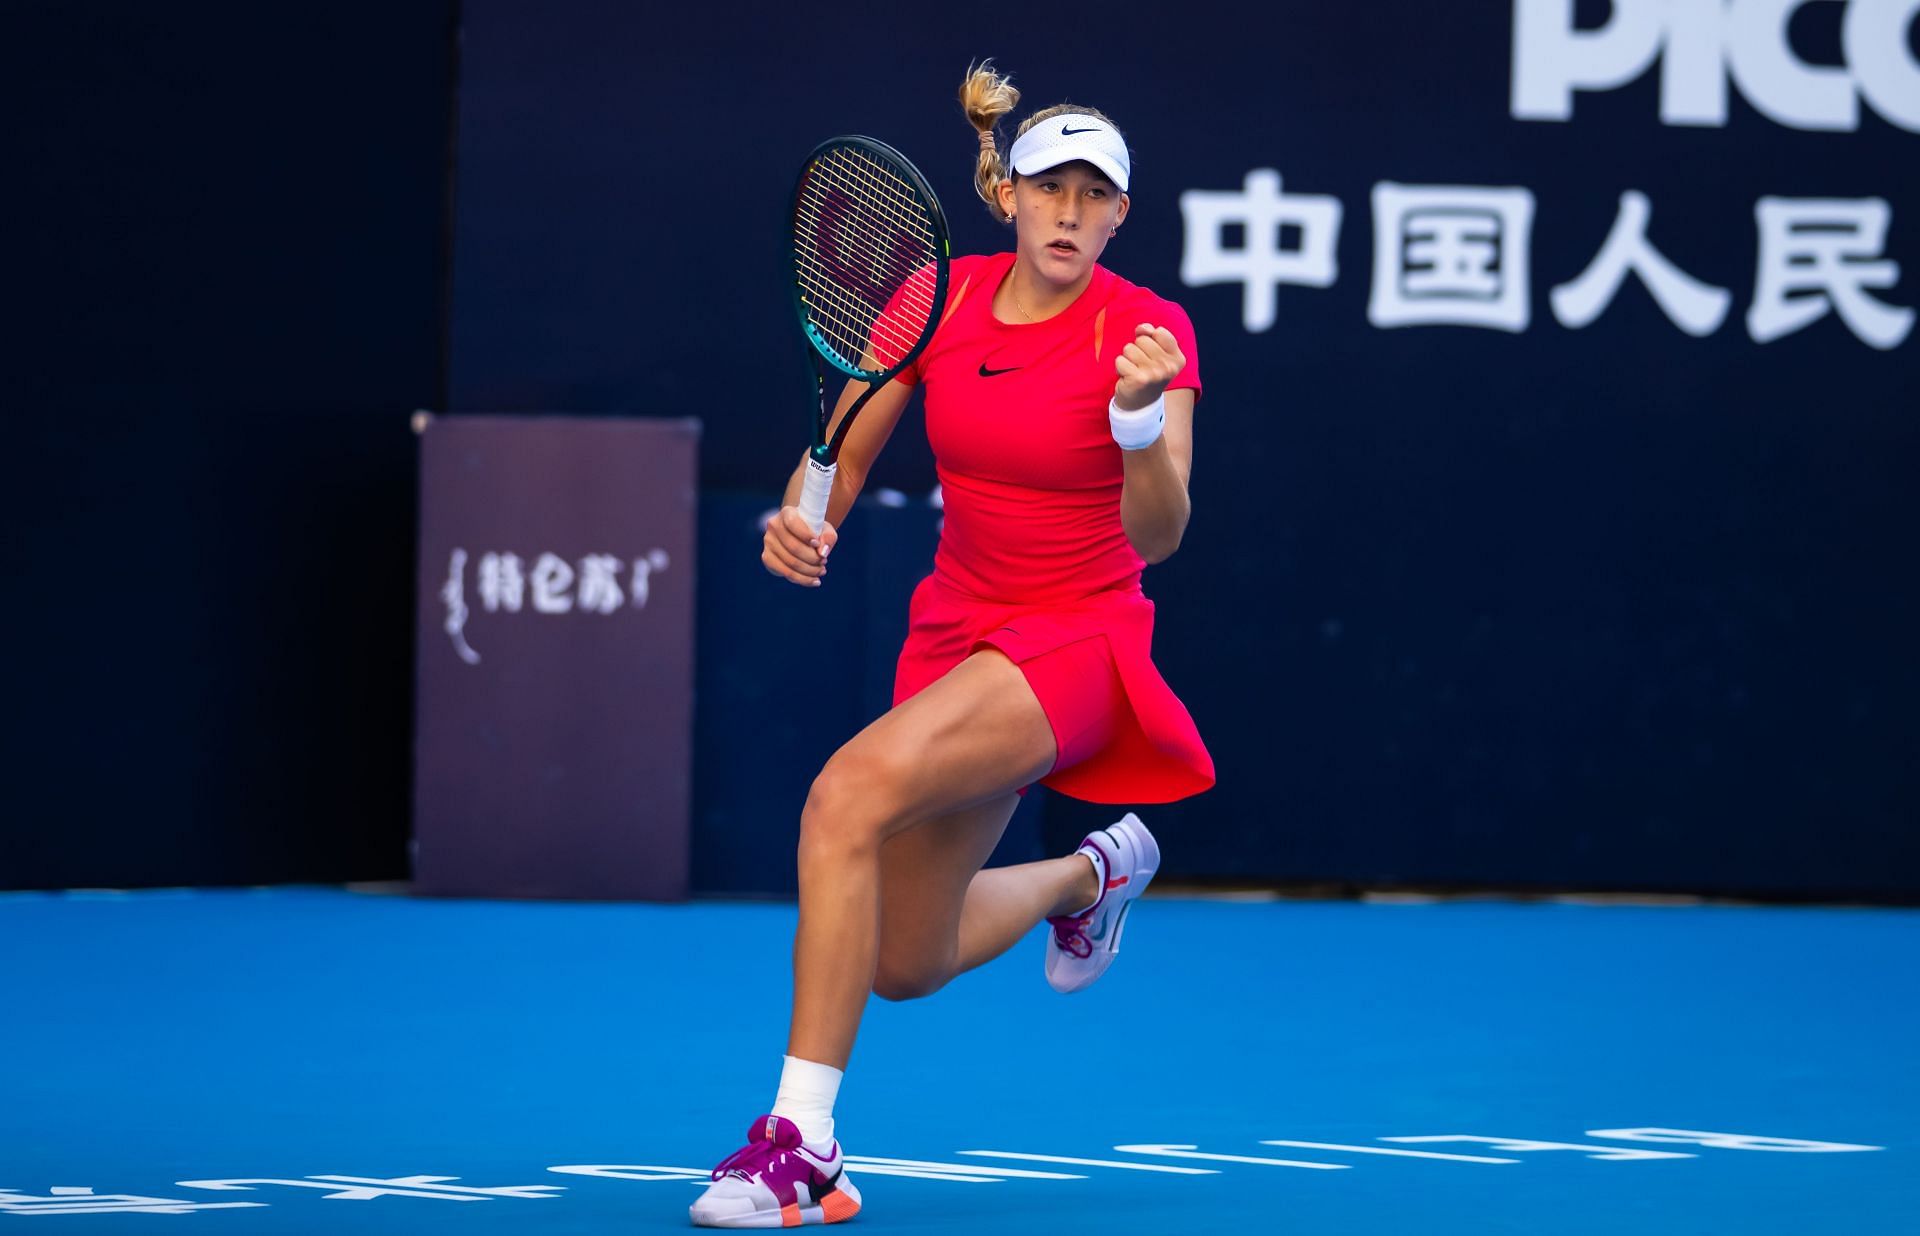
x=553, y=722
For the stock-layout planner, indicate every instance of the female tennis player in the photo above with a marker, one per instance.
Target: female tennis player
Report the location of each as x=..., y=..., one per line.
x=1059, y=404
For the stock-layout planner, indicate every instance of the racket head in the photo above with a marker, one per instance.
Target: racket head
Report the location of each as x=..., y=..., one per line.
x=871, y=255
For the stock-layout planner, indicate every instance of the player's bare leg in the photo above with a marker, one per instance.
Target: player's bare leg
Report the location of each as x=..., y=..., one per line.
x=941, y=915
x=963, y=744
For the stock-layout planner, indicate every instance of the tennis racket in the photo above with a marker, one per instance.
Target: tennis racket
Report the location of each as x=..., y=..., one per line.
x=870, y=260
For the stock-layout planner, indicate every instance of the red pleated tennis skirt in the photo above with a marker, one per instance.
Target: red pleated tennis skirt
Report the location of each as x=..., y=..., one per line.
x=1123, y=736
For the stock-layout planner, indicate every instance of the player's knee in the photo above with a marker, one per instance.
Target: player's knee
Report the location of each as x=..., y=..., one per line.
x=847, y=808
x=911, y=982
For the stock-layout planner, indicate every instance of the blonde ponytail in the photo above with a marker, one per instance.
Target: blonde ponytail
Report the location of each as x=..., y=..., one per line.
x=985, y=96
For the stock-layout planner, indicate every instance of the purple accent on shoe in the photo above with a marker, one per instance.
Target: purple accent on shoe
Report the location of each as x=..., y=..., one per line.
x=1069, y=930
x=1071, y=934
x=770, y=1154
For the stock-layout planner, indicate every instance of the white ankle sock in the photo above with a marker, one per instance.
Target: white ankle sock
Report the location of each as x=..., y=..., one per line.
x=807, y=1092
x=1099, y=861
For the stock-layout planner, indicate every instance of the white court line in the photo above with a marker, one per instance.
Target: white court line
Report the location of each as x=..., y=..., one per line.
x=1606, y=1153
x=1131, y=1167
x=539, y=1193
x=965, y=1169
x=1411, y=1154
x=1193, y=1152
x=917, y=1173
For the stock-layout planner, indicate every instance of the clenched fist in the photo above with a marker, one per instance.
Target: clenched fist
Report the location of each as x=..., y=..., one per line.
x=1145, y=367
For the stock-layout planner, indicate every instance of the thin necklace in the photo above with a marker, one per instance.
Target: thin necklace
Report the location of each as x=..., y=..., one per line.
x=1014, y=295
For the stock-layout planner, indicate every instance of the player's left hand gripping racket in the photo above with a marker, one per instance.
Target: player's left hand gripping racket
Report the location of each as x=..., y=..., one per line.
x=869, y=277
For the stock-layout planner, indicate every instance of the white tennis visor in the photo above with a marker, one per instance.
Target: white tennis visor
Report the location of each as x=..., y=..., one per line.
x=1063, y=139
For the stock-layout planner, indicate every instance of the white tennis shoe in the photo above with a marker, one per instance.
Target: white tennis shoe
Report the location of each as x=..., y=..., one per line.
x=777, y=1180
x=1081, y=946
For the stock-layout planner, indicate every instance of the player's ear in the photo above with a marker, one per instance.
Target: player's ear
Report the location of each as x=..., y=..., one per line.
x=1004, y=191
x=1120, y=215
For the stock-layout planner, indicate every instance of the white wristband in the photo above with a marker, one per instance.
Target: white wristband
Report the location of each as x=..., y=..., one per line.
x=1135, y=431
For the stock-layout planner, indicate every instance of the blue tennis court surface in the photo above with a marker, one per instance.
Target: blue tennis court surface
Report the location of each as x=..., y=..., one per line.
x=319, y=1060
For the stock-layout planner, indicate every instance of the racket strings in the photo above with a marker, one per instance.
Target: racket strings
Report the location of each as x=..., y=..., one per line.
x=853, y=327
x=880, y=189
x=844, y=313
x=861, y=235
x=853, y=324
x=877, y=187
x=860, y=252
x=847, y=321
x=857, y=326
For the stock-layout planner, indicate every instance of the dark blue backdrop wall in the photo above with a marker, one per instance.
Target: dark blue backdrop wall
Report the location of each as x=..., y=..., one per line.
x=1524, y=552
x=225, y=296
x=1494, y=576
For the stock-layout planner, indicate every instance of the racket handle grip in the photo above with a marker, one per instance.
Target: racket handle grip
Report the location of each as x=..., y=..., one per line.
x=814, y=492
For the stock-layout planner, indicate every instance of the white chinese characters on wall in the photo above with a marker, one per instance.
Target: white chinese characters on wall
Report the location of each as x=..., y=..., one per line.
x=1258, y=262
x=506, y=583
x=1695, y=307
x=1450, y=254
x=1460, y=255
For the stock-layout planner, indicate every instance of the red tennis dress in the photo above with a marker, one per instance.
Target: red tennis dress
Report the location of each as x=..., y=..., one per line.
x=1033, y=560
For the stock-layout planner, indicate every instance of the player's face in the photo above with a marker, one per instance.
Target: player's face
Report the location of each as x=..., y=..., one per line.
x=1063, y=218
